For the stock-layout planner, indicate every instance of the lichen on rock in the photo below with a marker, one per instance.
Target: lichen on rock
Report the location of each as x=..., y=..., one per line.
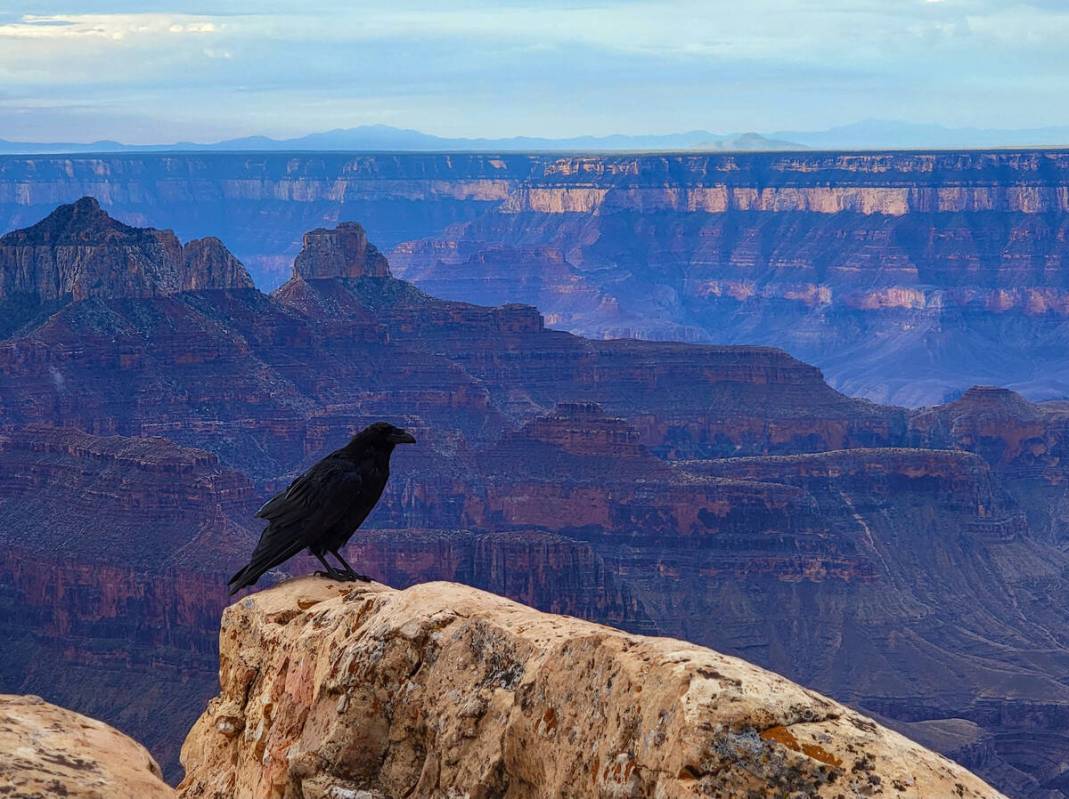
x=331, y=691
x=48, y=751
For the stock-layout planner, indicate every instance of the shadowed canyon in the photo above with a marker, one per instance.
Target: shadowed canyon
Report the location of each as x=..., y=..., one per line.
x=905, y=276
x=911, y=563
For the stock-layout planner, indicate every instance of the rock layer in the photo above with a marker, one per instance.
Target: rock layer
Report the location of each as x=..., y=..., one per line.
x=441, y=690
x=47, y=751
x=905, y=276
x=342, y=252
x=79, y=251
x=113, y=556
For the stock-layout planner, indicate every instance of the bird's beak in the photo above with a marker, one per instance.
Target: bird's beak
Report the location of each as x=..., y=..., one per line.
x=403, y=437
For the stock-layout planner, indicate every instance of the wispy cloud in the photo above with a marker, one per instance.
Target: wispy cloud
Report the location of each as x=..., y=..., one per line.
x=114, y=27
x=552, y=67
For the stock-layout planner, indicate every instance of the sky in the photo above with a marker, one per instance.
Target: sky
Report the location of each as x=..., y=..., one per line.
x=150, y=71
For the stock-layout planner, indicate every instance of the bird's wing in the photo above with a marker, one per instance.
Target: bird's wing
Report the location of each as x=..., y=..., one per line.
x=313, y=504
x=320, y=492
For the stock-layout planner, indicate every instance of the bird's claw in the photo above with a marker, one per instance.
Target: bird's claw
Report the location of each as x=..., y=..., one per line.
x=345, y=577
x=339, y=576
x=356, y=577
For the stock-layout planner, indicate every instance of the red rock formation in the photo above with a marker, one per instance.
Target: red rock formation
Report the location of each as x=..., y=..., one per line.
x=209, y=265
x=113, y=555
x=83, y=496
x=80, y=252
x=343, y=252
x=1026, y=443
x=584, y=429
x=1003, y=427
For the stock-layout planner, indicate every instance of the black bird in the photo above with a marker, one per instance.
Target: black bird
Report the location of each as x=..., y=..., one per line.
x=323, y=507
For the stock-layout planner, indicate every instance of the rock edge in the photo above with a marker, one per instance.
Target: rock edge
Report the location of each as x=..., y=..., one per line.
x=332, y=691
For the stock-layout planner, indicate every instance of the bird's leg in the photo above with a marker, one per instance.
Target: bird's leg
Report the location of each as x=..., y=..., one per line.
x=331, y=572
x=353, y=575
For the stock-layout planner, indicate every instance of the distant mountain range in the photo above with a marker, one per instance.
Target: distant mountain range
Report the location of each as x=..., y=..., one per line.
x=866, y=135
x=378, y=138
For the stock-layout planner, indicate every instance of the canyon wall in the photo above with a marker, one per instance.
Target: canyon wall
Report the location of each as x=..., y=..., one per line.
x=905, y=276
x=112, y=556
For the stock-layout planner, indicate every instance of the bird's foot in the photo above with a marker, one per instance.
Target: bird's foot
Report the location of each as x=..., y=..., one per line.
x=341, y=577
x=356, y=577
x=344, y=576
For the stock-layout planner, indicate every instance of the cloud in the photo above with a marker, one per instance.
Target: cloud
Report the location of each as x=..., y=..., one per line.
x=115, y=27
x=551, y=67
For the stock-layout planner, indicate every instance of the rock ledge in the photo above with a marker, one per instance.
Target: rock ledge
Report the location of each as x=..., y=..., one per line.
x=48, y=751
x=332, y=691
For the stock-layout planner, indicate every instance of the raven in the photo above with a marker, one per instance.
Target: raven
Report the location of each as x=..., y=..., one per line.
x=323, y=507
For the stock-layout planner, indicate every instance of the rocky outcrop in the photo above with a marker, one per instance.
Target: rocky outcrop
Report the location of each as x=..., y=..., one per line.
x=79, y=251
x=210, y=265
x=1002, y=426
x=340, y=253
x=583, y=428
x=331, y=691
x=46, y=751
x=1026, y=443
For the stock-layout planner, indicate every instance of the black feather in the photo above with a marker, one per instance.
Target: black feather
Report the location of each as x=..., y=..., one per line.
x=323, y=507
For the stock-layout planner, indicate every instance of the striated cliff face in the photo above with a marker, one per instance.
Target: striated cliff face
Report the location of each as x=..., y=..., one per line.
x=79, y=251
x=46, y=751
x=210, y=265
x=113, y=555
x=329, y=691
x=1026, y=443
x=905, y=276
x=343, y=252
x=104, y=482
x=908, y=308
x=1003, y=426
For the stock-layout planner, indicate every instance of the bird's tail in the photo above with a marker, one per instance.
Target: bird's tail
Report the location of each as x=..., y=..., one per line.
x=261, y=562
x=243, y=578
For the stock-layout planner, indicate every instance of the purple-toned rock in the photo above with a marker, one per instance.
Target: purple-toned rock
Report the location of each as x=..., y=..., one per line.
x=342, y=252
x=79, y=252
x=210, y=265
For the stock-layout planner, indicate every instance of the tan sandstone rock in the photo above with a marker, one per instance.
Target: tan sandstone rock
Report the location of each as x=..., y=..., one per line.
x=358, y=692
x=47, y=751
